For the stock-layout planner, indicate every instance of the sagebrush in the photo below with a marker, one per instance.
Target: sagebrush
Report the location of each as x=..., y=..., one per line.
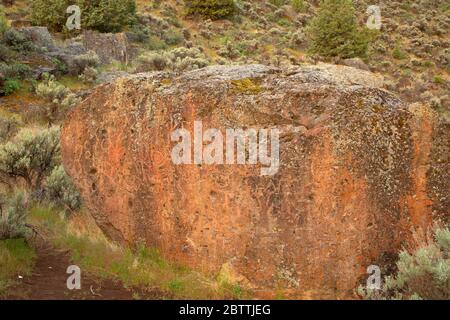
x=60, y=98
x=29, y=157
x=62, y=191
x=178, y=59
x=423, y=273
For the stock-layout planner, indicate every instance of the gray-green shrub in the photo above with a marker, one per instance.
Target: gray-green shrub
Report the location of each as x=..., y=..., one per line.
x=423, y=273
x=17, y=41
x=29, y=157
x=15, y=70
x=172, y=37
x=13, y=214
x=89, y=75
x=62, y=191
x=9, y=126
x=84, y=61
x=5, y=53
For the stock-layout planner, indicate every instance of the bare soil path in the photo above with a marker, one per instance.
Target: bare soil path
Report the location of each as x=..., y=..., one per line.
x=48, y=281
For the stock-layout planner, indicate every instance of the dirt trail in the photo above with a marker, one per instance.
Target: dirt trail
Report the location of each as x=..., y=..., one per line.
x=48, y=281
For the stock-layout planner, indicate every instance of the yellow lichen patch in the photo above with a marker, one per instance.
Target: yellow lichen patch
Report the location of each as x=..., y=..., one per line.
x=378, y=108
x=246, y=86
x=166, y=82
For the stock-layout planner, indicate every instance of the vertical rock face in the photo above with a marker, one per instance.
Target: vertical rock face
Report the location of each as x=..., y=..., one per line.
x=358, y=171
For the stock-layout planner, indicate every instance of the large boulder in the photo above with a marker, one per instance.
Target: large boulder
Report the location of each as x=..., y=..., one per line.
x=358, y=171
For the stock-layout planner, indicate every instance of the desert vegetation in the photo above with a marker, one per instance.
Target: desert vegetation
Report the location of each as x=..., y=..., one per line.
x=422, y=271
x=46, y=70
x=335, y=31
x=214, y=9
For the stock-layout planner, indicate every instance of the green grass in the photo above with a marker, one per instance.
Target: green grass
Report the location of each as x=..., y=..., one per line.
x=16, y=258
x=143, y=267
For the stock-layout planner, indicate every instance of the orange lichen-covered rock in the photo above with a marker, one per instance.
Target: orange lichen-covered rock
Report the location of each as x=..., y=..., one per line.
x=358, y=170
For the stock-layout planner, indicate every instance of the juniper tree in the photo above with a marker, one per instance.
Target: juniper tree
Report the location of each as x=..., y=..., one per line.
x=61, y=190
x=213, y=9
x=334, y=31
x=422, y=273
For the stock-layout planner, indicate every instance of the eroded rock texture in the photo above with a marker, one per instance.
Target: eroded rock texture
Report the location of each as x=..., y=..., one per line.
x=109, y=46
x=359, y=170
